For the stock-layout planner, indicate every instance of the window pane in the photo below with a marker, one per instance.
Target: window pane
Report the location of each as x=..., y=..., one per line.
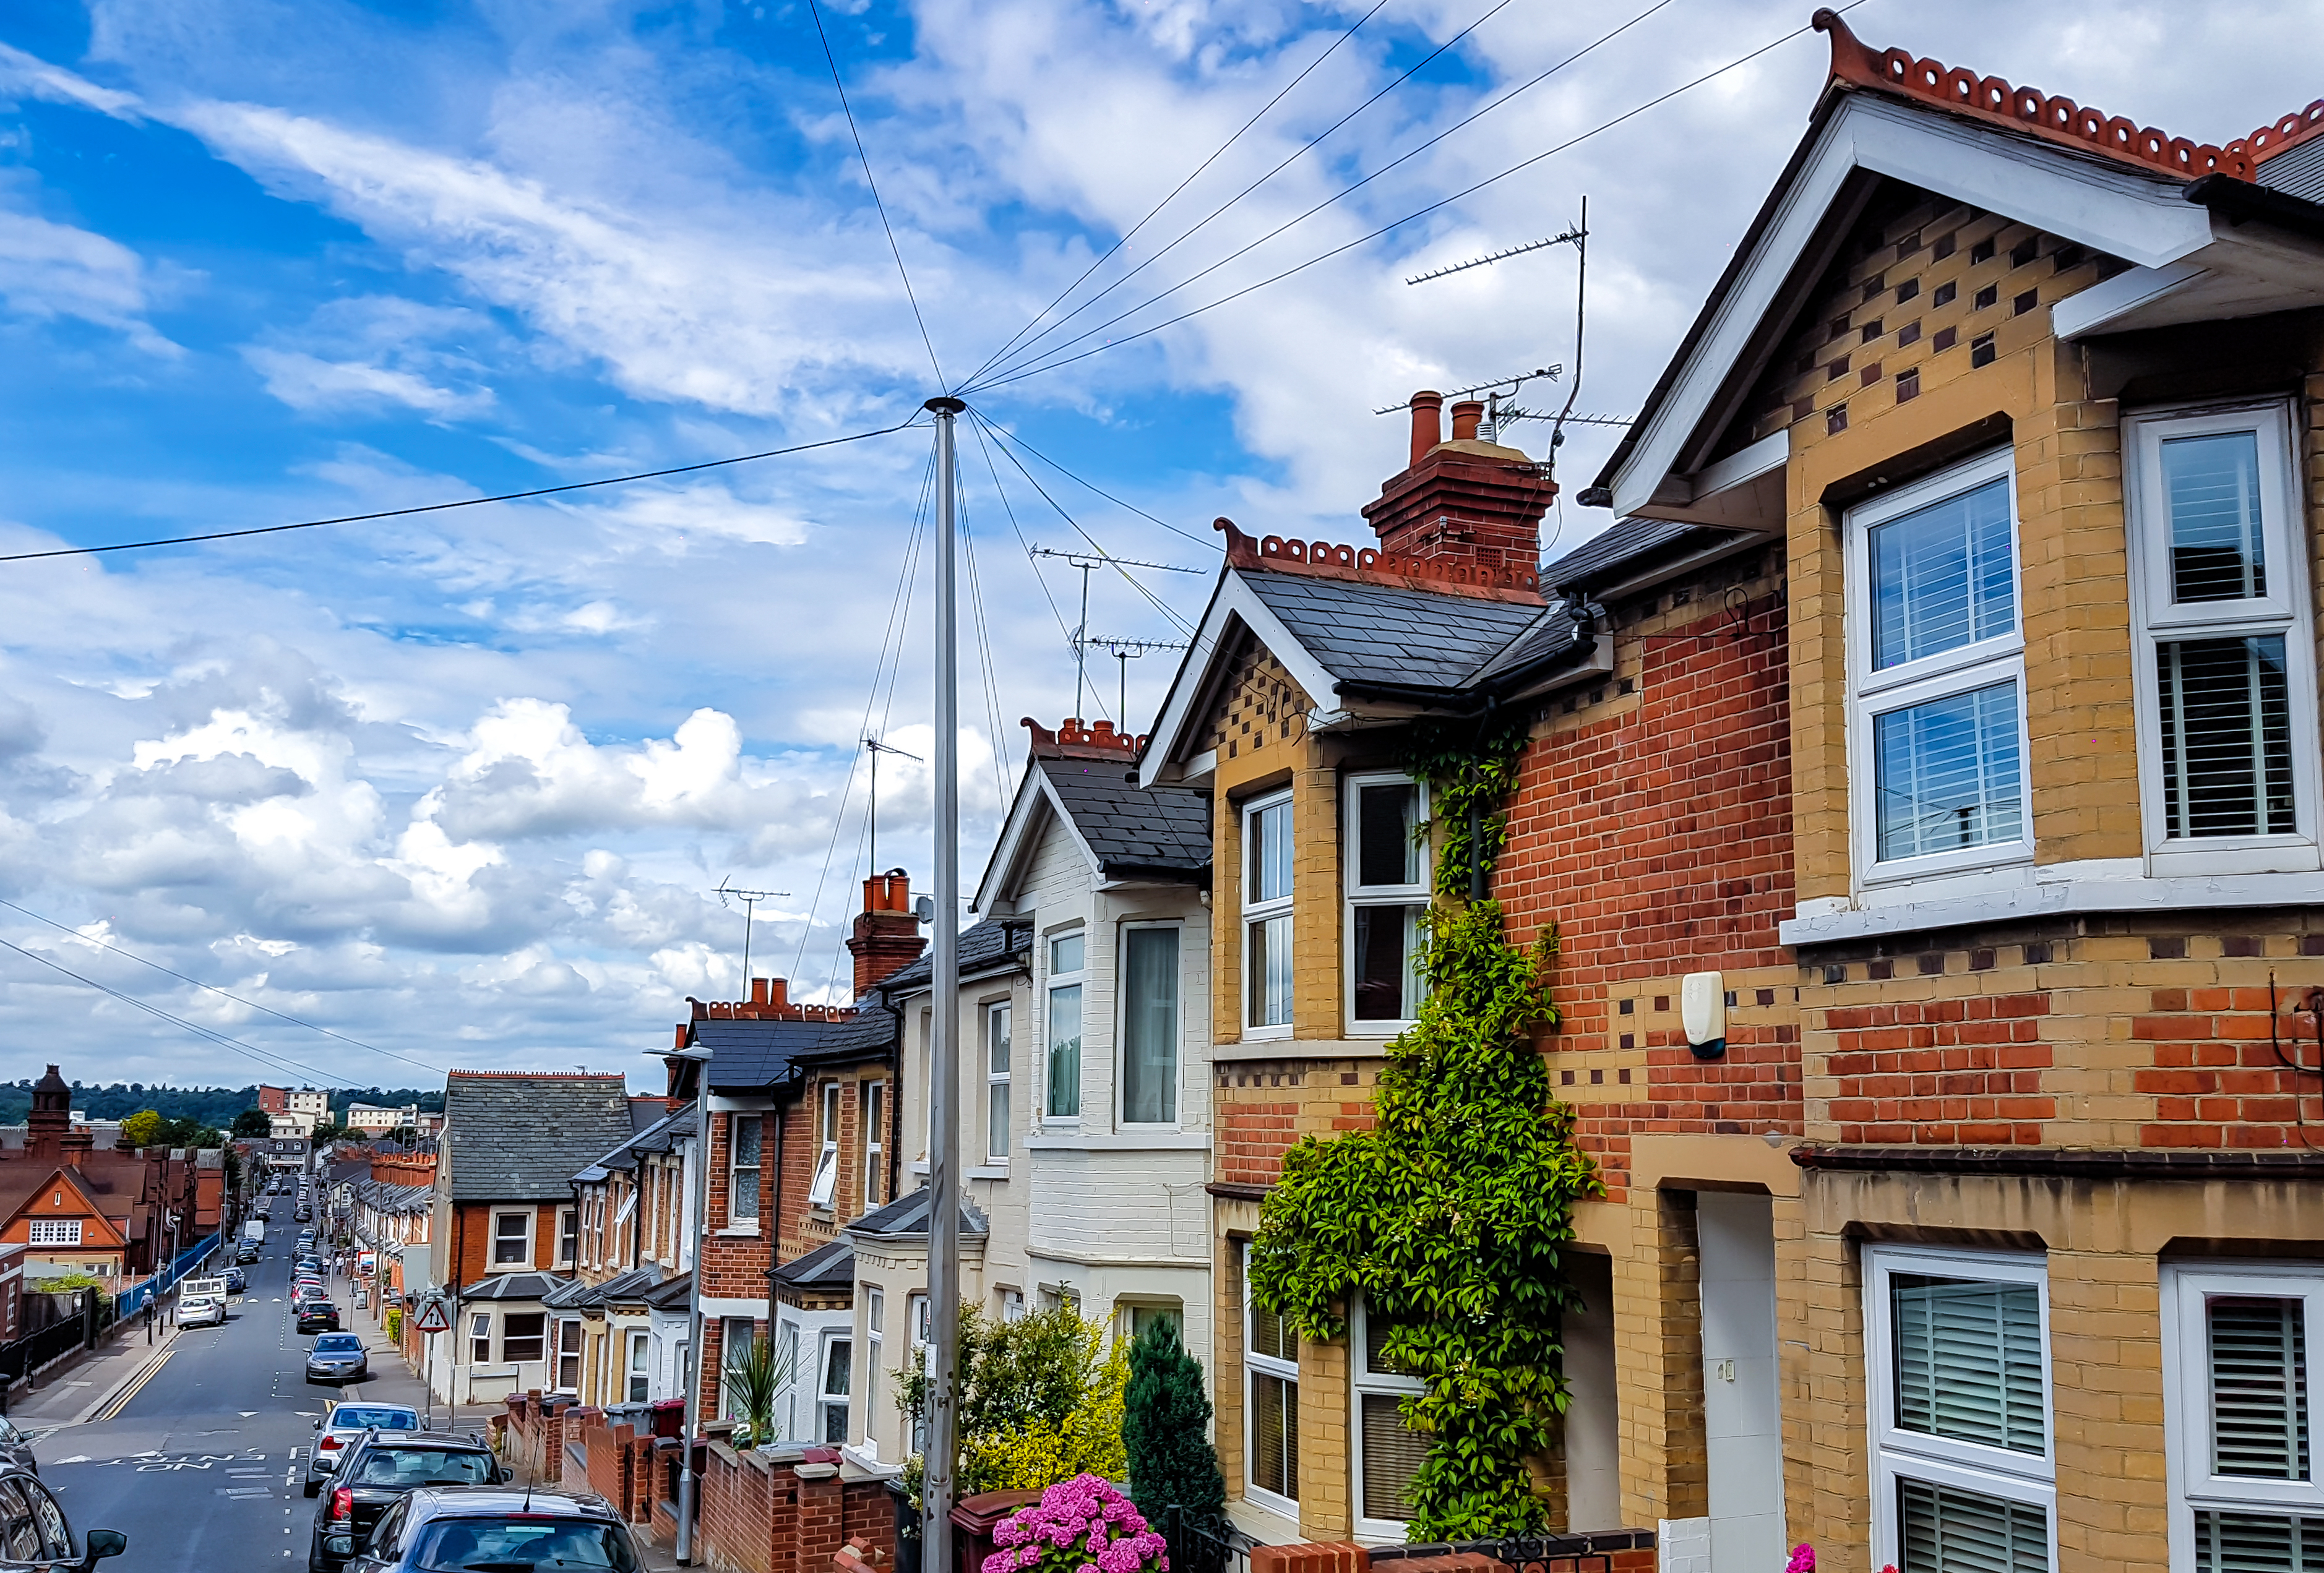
x=1270, y=973
x=1387, y=949
x=2259, y=1387
x=1943, y=577
x=1270, y=1337
x=1150, y=1026
x=1275, y=1435
x=2252, y=1542
x=996, y=1042
x=1065, y=953
x=1270, y=852
x=523, y=1336
x=2216, y=545
x=1969, y=1360
x=748, y=1128
x=1065, y=1051
x=1376, y=1330
x=1947, y=774
x=836, y=1365
x=1946, y=1529
x=2226, y=737
x=996, y=1120
x=1392, y=1452
x=1386, y=850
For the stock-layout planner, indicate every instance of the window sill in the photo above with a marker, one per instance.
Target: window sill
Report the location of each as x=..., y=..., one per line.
x=986, y=1171
x=1258, y=1034
x=737, y=1231
x=2057, y=889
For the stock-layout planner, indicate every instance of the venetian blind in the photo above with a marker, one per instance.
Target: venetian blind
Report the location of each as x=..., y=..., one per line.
x=2254, y=1543
x=1946, y=1529
x=1968, y=1361
x=1392, y=1452
x=2259, y=1387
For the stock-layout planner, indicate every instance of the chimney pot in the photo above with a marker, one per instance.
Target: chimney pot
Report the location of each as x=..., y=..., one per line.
x=1102, y=730
x=1427, y=422
x=1466, y=416
x=758, y=991
x=778, y=992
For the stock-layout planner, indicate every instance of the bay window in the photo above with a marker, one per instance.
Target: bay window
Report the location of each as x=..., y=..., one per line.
x=1964, y=1465
x=1069, y=959
x=1937, y=675
x=1266, y=916
x=1150, y=1024
x=524, y=1335
x=1387, y=878
x=2227, y=668
x=2240, y=1393
x=1270, y=1365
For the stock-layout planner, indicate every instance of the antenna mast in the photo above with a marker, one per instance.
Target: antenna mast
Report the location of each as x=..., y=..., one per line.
x=749, y=900
x=871, y=818
x=1085, y=561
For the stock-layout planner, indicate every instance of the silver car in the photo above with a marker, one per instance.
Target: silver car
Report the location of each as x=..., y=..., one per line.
x=340, y=1426
x=201, y=1310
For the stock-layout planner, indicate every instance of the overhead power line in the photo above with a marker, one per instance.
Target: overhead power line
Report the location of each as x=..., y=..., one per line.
x=1470, y=191
x=180, y=540
x=865, y=159
x=223, y=994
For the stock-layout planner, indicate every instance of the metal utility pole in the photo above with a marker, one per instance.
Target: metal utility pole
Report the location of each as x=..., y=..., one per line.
x=944, y=1040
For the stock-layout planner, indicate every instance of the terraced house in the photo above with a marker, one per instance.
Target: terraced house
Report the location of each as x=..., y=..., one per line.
x=2022, y=396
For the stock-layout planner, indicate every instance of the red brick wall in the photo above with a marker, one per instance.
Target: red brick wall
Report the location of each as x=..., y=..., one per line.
x=470, y=1244
x=759, y=1517
x=1657, y=839
x=2216, y=1078
x=1252, y=1139
x=1965, y=1072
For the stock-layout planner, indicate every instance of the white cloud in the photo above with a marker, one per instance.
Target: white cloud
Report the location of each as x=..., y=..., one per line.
x=305, y=382
x=54, y=270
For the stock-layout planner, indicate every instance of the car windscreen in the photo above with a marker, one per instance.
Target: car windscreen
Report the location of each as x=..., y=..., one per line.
x=339, y=1344
x=518, y=1544
x=408, y=1468
x=354, y=1417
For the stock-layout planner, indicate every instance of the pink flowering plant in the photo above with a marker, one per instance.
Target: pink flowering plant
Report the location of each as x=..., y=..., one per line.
x=1082, y=1525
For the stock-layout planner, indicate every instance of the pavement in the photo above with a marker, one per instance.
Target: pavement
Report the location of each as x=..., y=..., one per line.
x=197, y=1447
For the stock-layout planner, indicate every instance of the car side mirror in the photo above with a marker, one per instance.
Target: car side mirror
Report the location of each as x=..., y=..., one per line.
x=503, y=1474
x=99, y=1544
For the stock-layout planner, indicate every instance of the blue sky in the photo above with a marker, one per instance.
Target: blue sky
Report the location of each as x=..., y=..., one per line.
x=461, y=786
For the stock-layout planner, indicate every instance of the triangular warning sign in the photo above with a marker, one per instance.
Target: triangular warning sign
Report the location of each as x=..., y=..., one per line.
x=433, y=1319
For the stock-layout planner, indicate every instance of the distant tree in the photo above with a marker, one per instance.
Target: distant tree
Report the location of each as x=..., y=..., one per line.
x=1165, y=1423
x=252, y=1122
x=143, y=1129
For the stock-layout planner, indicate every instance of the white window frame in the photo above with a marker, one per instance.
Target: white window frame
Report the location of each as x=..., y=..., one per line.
x=918, y=1329
x=999, y=1075
x=1052, y=982
x=872, y=1114
x=1355, y=896
x=730, y=1400
x=1872, y=694
x=1362, y=1382
x=821, y=1190
x=2287, y=610
x=637, y=1374
x=740, y=1175
x=825, y=1398
x=1898, y=1454
x=875, y=1313
x=1122, y=1028
x=1257, y=1364
x=480, y=1339
x=1255, y=911
x=61, y=1231
x=559, y=1352
x=568, y=1236
x=2187, y=1397
x=531, y=1217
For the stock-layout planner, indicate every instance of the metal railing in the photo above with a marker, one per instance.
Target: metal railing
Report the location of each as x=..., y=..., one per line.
x=20, y=1357
x=1202, y=1543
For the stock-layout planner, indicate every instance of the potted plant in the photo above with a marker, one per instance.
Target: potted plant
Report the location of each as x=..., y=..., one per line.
x=756, y=1372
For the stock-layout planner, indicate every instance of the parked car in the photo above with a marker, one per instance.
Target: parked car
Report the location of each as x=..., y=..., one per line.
x=307, y=1261
x=385, y=1469
x=237, y=1282
x=343, y=1425
x=35, y=1534
x=201, y=1310
x=318, y=1316
x=16, y=1447
x=338, y=1357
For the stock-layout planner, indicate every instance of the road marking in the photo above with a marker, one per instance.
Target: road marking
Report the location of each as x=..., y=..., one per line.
x=243, y=1492
x=113, y=1410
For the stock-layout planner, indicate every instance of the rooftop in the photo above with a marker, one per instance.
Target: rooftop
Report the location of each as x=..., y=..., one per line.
x=511, y=1136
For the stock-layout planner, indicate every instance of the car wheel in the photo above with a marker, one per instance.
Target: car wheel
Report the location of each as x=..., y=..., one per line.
x=314, y=1487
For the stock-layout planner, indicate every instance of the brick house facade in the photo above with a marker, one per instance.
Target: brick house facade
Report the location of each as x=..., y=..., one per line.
x=2054, y=901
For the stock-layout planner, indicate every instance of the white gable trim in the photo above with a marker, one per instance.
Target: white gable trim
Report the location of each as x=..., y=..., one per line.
x=1020, y=837
x=1235, y=602
x=2140, y=218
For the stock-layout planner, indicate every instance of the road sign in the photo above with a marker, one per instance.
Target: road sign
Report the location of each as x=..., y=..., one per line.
x=433, y=1318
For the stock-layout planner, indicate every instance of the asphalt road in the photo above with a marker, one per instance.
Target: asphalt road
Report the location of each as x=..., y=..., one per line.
x=202, y=1464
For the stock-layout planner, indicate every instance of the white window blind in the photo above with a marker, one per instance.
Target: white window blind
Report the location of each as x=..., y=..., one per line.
x=2251, y=1542
x=1272, y=1396
x=1947, y=1530
x=1150, y=1026
x=1969, y=1360
x=1388, y=1451
x=2259, y=1387
x=2225, y=711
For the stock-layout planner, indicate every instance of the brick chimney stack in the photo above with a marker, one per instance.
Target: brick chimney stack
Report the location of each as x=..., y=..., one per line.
x=886, y=935
x=51, y=1119
x=1461, y=501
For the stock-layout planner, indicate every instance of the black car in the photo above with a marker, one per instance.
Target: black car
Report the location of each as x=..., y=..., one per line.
x=485, y=1527
x=378, y=1472
x=318, y=1316
x=35, y=1534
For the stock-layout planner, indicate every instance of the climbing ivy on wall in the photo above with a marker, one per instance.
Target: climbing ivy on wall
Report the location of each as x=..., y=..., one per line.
x=1451, y=1214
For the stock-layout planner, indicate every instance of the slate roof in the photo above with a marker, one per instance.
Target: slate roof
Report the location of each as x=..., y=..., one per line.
x=513, y=1136
x=671, y=1294
x=513, y=1286
x=829, y=1267
x=657, y=1137
x=402, y=1199
x=1619, y=545
x=1385, y=634
x=1132, y=828
x=994, y=942
x=749, y=1055
x=907, y=1218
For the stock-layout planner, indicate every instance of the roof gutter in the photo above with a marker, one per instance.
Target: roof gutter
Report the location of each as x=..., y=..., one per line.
x=2241, y=202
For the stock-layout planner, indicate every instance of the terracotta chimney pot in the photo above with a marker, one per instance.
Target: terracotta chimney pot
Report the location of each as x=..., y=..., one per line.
x=1466, y=415
x=1427, y=422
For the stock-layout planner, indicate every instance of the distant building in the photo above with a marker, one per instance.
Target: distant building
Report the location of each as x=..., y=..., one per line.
x=375, y=1120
